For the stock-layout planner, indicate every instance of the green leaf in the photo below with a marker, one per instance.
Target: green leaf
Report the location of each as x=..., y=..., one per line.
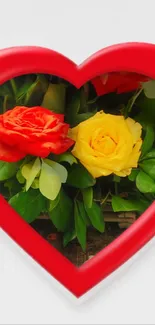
x=87, y=196
x=6, y=89
x=35, y=169
x=7, y=170
x=120, y=204
x=149, y=89
x=148, y=140
x=84, y=93
x=79, y=177
x=29, y=204
x=131, y=103
x=26, y=170
x=149, y=155
x=92, y=101
x=20, y=177
x=117, y=179
x=83, y=117
x=13, y=187
x=148, y=166
x=22, y=91
x=26, y=160
x=146, y=115
x=96, y=217
x=49, y=182
x=53, y=204
x=66, y=157
x=9, y=184
x=80, y=226
x=7, y=99
x=62, y=214
x=35, y=184
x=54, y=98
x=68, y=236
x=133, y=175
x=59, y=169
x=36, y=91
x=145, y=183
x=73, y=107
x=83, y=212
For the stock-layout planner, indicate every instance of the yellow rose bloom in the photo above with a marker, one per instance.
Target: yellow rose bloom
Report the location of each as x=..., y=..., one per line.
x=107, y=144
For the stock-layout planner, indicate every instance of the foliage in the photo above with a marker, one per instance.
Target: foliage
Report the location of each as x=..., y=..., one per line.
x=60, y=185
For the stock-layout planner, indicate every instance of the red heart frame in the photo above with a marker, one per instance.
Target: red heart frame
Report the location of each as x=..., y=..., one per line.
x=133, y=57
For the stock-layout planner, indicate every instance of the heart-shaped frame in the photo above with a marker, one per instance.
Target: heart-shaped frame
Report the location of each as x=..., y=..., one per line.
x=131, y=57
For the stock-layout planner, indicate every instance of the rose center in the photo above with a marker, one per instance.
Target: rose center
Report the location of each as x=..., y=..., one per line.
x=104, y=143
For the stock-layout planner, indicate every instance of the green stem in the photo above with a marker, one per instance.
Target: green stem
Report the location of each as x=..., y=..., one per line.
x=105, y=199
x=135, y=98
x=5, y=103
x=77, y=194
x=13, y=85
x=131, y=102
x=92, y=101
x=116, y=188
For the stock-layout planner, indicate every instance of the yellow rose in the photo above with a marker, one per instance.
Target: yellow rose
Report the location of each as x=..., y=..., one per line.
x=107, y=144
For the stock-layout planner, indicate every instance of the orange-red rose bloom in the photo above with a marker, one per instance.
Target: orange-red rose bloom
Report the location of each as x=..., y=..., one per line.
x=32, y=131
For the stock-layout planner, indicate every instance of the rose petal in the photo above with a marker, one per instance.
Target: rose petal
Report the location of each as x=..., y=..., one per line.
x=10, y=154
x=43, y=149
x=36, y=130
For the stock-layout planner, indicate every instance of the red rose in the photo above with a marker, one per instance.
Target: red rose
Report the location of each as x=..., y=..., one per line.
x=35, y=131
x=117, y=82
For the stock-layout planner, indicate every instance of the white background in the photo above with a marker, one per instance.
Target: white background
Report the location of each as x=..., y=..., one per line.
x=28, y=295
